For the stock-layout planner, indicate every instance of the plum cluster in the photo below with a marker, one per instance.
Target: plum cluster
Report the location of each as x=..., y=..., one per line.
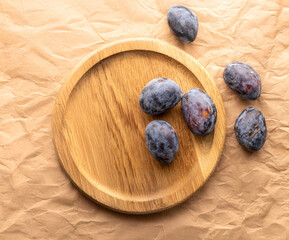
x=198, y=109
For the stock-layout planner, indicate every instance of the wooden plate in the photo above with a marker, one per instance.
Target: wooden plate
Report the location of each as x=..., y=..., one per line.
x=98, y=128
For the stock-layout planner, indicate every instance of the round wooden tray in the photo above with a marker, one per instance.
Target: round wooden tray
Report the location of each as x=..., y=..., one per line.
x=98, y=128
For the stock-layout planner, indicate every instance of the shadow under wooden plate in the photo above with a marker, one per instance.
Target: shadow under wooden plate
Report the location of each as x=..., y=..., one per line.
x=98, y=127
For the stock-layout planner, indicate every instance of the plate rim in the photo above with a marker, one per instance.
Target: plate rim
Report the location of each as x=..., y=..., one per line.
x=71, y=80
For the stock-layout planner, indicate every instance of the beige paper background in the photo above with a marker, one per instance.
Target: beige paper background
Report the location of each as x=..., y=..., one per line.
x=40, y=41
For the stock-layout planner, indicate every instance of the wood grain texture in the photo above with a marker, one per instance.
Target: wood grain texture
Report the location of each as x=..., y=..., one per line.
x=98, y=128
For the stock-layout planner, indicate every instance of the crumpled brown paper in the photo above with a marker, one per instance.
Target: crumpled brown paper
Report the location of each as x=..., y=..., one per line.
x=41, y=41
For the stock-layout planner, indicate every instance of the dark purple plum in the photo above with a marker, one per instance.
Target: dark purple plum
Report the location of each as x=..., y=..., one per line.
x=159, y=95
x=199, y=112
x=250, y=129
x=243, y=80
x=183, y=23
x=162, y=141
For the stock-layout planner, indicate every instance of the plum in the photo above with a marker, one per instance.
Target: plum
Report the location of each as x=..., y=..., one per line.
x=199, y=112
x=250, y=129
x=160, y=95
x=243, y=80
x=162, y=141
x=183, y=23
